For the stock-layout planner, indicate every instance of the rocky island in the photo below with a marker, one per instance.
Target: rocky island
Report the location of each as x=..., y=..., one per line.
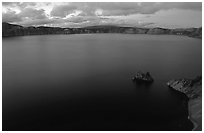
x=142, y=77
x=192, y=88
x=9, y=30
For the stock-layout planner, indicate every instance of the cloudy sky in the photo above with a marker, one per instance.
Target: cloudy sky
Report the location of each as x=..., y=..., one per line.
x=140, y=14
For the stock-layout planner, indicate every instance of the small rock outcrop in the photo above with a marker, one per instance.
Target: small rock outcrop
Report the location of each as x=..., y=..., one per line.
x=142, y=77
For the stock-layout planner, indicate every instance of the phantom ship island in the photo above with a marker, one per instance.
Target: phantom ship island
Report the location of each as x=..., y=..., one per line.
x=142, y=77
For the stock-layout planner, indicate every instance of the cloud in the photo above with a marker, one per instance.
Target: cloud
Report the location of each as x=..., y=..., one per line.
x=26, y=14
x=32, y=13
x=127, y=8
x=121, y=8
x=18, y=4
x=10, y=16
x=62, y=10
x=77, y=19
x=91, y=13
x=36, y=22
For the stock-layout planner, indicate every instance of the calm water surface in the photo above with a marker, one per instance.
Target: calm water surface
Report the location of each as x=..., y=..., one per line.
x=83, y=82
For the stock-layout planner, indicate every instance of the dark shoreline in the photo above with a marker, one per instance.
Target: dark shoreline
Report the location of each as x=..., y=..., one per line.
x=96, y=33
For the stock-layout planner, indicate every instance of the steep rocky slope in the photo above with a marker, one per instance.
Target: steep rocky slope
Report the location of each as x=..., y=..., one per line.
x=193, y=90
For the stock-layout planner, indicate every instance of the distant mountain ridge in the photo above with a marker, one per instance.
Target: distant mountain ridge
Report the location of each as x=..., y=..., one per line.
x=18, y=30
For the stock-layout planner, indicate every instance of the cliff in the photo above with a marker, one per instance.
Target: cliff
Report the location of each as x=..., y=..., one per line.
x=158, y=31
x=193, y=90
x=191, y=32
x=17, y=30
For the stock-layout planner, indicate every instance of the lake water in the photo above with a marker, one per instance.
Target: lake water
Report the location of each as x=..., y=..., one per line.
x=83, y=82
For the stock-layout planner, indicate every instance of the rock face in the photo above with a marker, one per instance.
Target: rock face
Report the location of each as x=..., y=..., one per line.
x=193, y=90
x=17, y=30
x=142, y=77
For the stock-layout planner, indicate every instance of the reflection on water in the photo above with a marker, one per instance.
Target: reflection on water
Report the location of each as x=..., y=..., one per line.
x=83, y=82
